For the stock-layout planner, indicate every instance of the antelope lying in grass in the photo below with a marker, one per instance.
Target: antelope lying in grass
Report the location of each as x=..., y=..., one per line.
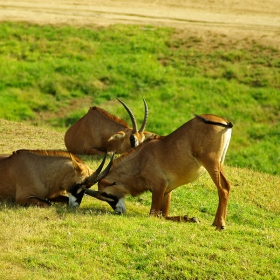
x=165, y=163
x=41, y=176
x=98, y=132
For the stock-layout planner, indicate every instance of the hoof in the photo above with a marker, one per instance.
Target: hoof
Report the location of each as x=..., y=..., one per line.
x=191, y=220
x=220, y=228
x=195, y=220
x=186, y=218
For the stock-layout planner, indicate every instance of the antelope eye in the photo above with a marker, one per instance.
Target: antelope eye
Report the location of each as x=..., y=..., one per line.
x=132, y=140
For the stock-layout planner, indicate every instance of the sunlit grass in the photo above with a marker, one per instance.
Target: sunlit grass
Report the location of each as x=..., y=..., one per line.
x=91, y=242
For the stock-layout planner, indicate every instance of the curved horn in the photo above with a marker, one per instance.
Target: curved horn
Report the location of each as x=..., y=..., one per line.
x=90, y=192
x=134, y=124
x=94, y=175
x=97, y=176
x=145, y=116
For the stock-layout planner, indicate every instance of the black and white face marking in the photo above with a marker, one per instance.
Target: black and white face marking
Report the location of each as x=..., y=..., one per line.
x=76, y=195
x=133, y=141
x=120, y=207
x=118, y=204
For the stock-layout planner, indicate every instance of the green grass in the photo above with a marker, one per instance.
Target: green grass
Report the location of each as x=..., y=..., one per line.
x=93, y=243
x=51, y=75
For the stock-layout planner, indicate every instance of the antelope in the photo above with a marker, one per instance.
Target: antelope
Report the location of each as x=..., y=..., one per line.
x=98, y=132
x=39, y=177
x=162, y=164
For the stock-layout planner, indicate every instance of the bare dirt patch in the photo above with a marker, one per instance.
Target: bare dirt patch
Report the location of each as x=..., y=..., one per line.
x=233, y=18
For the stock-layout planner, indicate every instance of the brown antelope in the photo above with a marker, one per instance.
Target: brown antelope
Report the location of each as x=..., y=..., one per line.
x=42, y=176
x=162, y=164
x=98, y=132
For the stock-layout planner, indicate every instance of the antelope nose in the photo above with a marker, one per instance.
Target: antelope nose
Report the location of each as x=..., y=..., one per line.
x=120, y=207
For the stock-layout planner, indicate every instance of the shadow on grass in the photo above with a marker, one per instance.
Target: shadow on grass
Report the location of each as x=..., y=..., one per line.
x=60, y=208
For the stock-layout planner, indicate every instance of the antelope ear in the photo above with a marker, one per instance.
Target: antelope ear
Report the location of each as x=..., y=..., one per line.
x=149, y=135
x=76, y=165
x=105, y=183
x=117, y=136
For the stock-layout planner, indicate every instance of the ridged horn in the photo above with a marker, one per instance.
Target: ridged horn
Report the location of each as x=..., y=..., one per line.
x=97, y=176
x=145, y=116
x=134, y=124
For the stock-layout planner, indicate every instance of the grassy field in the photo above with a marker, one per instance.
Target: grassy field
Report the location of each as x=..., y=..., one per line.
x=93, y=243
x=50, y=76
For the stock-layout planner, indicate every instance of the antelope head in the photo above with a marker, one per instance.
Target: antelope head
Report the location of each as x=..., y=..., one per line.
x=76, y=193
x=123, y=141
x=112, y=192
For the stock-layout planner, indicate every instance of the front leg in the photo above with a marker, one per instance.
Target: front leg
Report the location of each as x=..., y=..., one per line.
x=160, y=207
x=94, y=151
x=157, y=202
x=60, y=198
x=33, y=200
x=166, y=204
x=185, y=219
x=165, y=209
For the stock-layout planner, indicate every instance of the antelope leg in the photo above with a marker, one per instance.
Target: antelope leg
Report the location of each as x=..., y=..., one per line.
x=94, y=151
x=33, y=200
x=60, y=198
x=185, y=219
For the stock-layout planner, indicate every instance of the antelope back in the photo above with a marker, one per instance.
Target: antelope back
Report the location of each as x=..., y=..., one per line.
x=40, y=173
x=92, y=130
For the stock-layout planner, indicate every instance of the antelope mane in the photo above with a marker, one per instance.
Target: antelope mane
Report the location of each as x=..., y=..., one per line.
x=128, y=155
x=50, y=153
x=109, y=116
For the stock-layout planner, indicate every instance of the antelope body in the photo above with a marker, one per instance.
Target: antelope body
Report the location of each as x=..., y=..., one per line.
x=98, y=132
x=40, y=176
x=165, y=163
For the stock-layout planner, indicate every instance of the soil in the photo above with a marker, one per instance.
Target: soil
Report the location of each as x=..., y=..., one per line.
x=258, y=20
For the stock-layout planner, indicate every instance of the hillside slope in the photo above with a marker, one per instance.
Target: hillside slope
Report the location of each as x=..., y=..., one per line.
x=92, y=243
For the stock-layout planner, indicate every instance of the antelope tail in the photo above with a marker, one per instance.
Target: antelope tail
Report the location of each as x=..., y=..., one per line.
x=228, y=124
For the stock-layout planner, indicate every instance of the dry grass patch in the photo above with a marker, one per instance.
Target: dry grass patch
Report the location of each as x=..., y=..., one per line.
x=16, y=135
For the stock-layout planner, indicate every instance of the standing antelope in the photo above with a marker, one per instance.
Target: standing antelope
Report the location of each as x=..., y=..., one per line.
x=98, y=132
x=162, y=164
x=40, y=176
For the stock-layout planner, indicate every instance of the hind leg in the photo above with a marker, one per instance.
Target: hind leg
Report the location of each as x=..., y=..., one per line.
x=223, y=192
x=223, y=187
